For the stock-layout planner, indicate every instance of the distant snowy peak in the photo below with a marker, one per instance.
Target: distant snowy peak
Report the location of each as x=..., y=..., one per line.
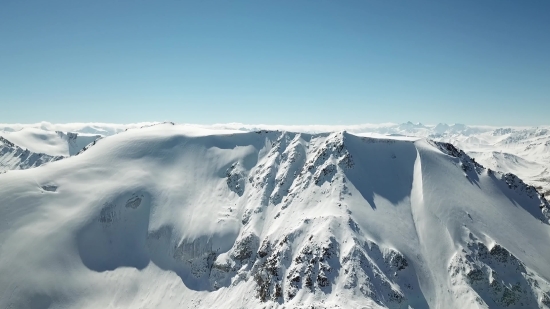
x=502, y=131
x=434, y=131
x=410, y=126
x=532, y=134
x=457, y=128
x=13, y=157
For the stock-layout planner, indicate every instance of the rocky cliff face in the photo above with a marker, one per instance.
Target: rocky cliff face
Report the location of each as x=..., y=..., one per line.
x=13, y=157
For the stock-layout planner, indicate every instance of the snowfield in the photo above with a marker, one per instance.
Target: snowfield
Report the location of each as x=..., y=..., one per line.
x=175, y=216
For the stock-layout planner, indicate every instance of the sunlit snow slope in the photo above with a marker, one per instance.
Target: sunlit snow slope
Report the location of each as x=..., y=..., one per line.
x=167, y=216
x=52, y=143
x=13, y=157
x=522, y=151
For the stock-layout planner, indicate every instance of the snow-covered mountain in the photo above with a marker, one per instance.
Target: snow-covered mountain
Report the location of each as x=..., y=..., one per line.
x=53, y=143
x=169, y=216
x=13, y=157
x=524, y=151
x=32, y=147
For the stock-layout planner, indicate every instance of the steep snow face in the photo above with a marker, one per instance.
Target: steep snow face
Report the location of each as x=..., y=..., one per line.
x=164, y=216
x=13, y=157
x=76, y=141
x=53, y=143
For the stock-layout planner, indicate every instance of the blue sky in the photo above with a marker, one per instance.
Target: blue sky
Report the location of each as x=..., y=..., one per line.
x=275, y=62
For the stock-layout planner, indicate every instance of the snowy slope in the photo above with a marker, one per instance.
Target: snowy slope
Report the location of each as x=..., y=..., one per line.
x=53, y=143
x=13, y=157
x=538, y=173
x=170, y=216
x=522, y=151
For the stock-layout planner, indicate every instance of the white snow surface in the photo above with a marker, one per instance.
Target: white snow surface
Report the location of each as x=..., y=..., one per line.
x=170, y=216
x=13, y=157
x=53, y=143
x=524, y=151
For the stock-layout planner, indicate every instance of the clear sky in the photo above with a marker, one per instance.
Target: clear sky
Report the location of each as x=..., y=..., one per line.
x=275, y=62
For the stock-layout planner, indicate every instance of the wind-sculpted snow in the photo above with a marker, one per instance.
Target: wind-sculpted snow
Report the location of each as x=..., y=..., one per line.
x=13, y=157
x=164, y=216
x=52, y=143
x=57, y=146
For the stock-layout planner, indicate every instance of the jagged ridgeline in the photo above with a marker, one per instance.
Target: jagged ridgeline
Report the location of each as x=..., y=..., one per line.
x=13, y=157
x=168, y=217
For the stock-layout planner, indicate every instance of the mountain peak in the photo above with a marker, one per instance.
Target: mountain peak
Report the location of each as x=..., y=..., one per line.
x=272, y=218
